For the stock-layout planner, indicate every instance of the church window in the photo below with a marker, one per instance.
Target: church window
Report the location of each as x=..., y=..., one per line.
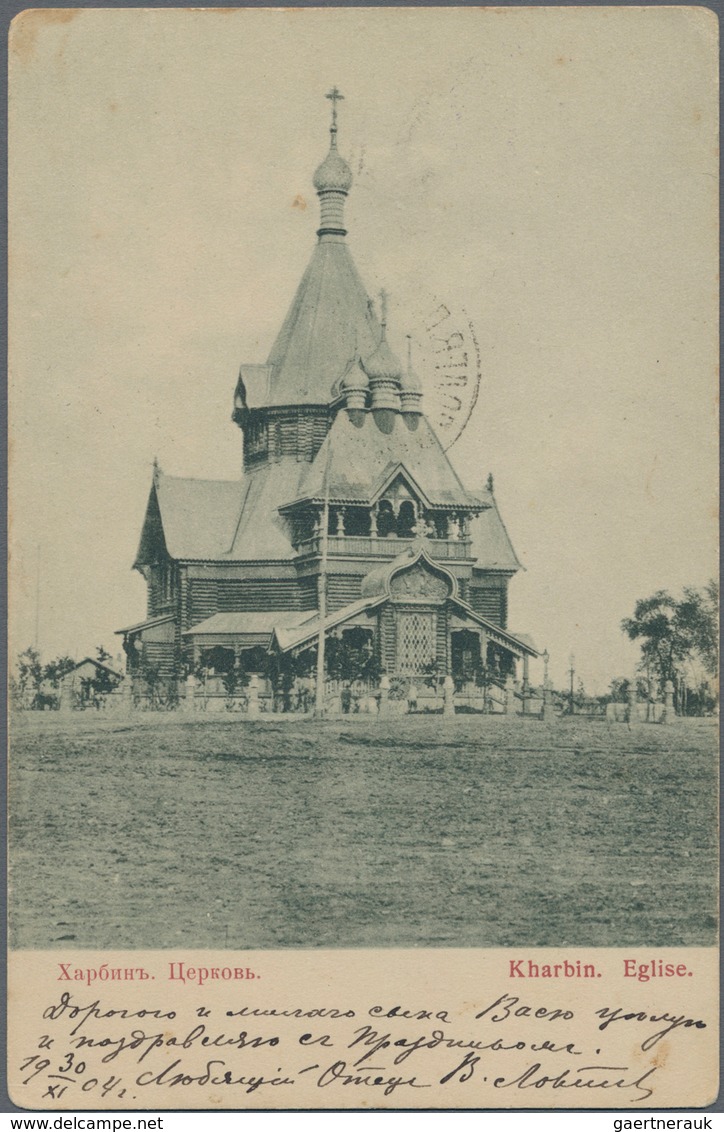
x=167, y=575
x=406, y=519
x=358, y=638
x=386, y=522
x=415, y=642
x=304, y=526
x=256, y=439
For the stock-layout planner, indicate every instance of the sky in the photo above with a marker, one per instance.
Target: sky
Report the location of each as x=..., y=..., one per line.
x=549, y=175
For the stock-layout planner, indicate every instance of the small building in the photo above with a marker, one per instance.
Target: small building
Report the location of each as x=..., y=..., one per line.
x=349, y=518
x=86, y=682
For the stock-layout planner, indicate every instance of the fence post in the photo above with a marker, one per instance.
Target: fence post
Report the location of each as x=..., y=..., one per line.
x=252, y=708
x=668, y=715
x=126, y=691
x=189, y=702
x=547, y=705
x=384, y=694
x=525, y=688
x=509, y=695
x=449, y=694
x=632, y=707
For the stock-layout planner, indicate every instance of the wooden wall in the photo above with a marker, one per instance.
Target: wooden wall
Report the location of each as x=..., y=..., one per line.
x=489, y=598
x=207, y=596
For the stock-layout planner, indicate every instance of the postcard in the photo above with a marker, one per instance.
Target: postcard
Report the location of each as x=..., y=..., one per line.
x=363, y=626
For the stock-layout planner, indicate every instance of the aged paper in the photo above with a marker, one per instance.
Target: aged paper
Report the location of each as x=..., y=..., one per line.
x=482, y=428
x=346, y=1029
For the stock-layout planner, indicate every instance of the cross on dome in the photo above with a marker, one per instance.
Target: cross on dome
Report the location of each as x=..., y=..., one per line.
x=333, y=176
x=335, y=96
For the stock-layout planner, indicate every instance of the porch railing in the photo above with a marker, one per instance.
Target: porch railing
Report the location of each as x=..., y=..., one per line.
x=364, y=545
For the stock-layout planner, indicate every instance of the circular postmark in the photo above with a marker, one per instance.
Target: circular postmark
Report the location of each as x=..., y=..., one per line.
x=446, y=357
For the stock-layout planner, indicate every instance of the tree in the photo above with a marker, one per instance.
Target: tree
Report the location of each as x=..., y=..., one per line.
x=699, y=613
x=620, y=688
x=99, y=686
x=55, y=670
x=677, y=635
x=159, y=692
x=29, y=678
x=351, y=661
x=35, y=685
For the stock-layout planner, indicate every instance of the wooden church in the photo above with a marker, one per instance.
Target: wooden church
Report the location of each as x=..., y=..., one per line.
x=348, y=517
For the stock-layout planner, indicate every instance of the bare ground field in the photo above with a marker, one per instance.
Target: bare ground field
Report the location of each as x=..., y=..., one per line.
x=415, y=832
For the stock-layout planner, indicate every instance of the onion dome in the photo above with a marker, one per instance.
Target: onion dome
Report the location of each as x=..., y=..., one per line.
x=410, y=386
x=383, y=364
x=354, y=378
x=354, y=386
x=332, y=180
x=384, y=369
x=410, y=382
x=334, y=174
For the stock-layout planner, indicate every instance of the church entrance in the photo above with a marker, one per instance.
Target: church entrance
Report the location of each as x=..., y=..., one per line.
x=465, y=650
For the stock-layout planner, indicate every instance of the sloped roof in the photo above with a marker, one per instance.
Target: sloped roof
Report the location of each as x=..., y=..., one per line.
x=292, y=637
x=252, y=388
x=223, y=520
x=239, y=520
x=96, y=664
x=148, y=624
x=260, y=532
x=329, y=322
x=357, y=459
x=198, y=516
x=235, y=624
x=527, y=640
x=491, y=544
x=517, y=642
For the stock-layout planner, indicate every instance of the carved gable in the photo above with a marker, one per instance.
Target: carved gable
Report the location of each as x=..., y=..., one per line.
x=399, y=490
x=419, y=583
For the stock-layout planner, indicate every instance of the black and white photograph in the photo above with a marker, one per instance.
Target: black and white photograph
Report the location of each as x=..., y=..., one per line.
x=363, y=504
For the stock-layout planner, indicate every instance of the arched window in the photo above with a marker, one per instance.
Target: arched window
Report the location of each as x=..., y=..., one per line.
x=406, y=519
x=386, y=523
x=358, y=638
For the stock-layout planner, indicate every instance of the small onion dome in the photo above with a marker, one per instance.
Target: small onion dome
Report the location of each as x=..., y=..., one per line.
x=355, y=386
x=410, y=392
x=334, y=174
x=410, y=382
x=354, y=378
x=383, y=365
